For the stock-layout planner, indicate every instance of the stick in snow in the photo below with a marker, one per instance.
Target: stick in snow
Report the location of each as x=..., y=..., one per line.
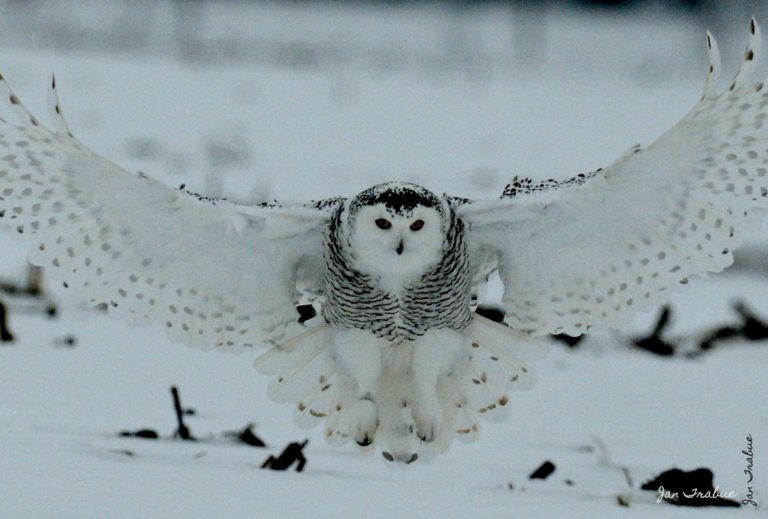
x=292, y=453
x=183, y=431
x=247, y=436
x=5, y=333
x=654, y=342
x=544, y=471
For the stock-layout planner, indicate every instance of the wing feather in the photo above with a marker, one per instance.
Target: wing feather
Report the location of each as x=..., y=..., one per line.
x=590, y=252
x=214, y=273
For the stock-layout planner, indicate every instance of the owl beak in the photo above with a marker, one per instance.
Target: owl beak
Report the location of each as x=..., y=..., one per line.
x=400, y=247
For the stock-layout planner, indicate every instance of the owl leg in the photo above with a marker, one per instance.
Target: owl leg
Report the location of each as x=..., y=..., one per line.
x=436, y=354
x=358, y=353
x=395, y=435
x=365, y=421
x=426, y=410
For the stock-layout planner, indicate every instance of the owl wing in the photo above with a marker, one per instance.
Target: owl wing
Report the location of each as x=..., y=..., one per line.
x=589, y=252
x=212, y=272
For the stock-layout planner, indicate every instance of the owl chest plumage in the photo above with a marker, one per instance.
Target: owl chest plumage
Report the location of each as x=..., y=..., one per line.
x=439, y=298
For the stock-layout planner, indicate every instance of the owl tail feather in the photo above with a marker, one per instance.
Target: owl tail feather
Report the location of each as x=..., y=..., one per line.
x=504, y=340
x=498, y=363
x=306, y=375
x=295, y=352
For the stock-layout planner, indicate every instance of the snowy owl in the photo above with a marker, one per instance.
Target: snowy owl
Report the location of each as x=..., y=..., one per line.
x=393, y=355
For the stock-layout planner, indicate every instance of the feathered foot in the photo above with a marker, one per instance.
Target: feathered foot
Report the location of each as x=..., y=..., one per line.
x=365, y=421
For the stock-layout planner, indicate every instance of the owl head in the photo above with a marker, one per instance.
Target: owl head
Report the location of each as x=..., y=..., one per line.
x=396, y=229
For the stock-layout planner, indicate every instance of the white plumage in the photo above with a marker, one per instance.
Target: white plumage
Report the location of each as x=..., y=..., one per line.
x=395, y=356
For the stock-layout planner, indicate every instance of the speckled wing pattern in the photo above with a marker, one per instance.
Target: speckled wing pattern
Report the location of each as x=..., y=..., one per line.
x=588, y=253
x=212, y=272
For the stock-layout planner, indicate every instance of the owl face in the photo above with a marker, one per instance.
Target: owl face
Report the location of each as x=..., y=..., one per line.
x=396, y=230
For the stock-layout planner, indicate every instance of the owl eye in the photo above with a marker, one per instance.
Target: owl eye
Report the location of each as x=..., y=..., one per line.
x=417, y=225
x=383, y=223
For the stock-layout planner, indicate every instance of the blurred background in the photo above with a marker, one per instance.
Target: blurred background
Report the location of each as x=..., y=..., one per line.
x=457, y=95
x=326, y=33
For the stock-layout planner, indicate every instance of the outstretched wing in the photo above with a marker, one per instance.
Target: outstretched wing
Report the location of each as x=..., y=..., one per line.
x=214, y=273
x=589, y=252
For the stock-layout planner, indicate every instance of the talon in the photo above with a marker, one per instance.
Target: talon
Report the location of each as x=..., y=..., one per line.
x=365, y=423
x=413, y=458
x=388, y=456
x=428, y=422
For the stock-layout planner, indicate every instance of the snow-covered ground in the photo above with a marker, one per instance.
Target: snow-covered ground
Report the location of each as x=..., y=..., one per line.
x=269, y=131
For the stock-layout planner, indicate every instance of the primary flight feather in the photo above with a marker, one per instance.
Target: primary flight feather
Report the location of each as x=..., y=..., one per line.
x=395, y=355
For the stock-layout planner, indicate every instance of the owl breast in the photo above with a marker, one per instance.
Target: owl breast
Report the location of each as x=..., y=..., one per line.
x=439, y=298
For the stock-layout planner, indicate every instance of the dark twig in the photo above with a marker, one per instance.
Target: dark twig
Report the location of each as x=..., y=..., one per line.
x=183, y=431
x=147, y=434
x=5, y=333
x=663, y=321
x=543, y=471
x=654, y=342
x=751, y=328
x=32, y=289
x=247, y=436
x=291, y=454
x=754, y=328
x=604, y=460
x=626, y=499
x=716, y=335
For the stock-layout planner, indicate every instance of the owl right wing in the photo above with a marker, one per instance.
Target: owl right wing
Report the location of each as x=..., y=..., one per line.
x=212, y=272
x=588, y=253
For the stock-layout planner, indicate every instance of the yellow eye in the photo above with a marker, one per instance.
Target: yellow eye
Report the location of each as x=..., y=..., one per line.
x=417, y=225
x=383, y=223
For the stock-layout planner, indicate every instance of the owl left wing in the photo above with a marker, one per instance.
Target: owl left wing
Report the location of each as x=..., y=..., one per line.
x=589, y=252
x=212, y=272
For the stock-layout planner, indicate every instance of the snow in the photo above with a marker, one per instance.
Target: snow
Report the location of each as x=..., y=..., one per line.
x=271, y=130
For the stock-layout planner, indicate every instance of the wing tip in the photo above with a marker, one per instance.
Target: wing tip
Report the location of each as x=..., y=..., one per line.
x=14, y=103
x=752, y=54
x=55, y=112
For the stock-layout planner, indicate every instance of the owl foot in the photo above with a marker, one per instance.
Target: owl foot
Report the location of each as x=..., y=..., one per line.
x=428, y=417
x=365, y=421
x=403, y=458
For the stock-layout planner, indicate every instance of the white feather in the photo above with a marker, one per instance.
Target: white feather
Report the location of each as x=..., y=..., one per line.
x=713, y=72
x=148, y=251
x=745, y=75
x=588, y=254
